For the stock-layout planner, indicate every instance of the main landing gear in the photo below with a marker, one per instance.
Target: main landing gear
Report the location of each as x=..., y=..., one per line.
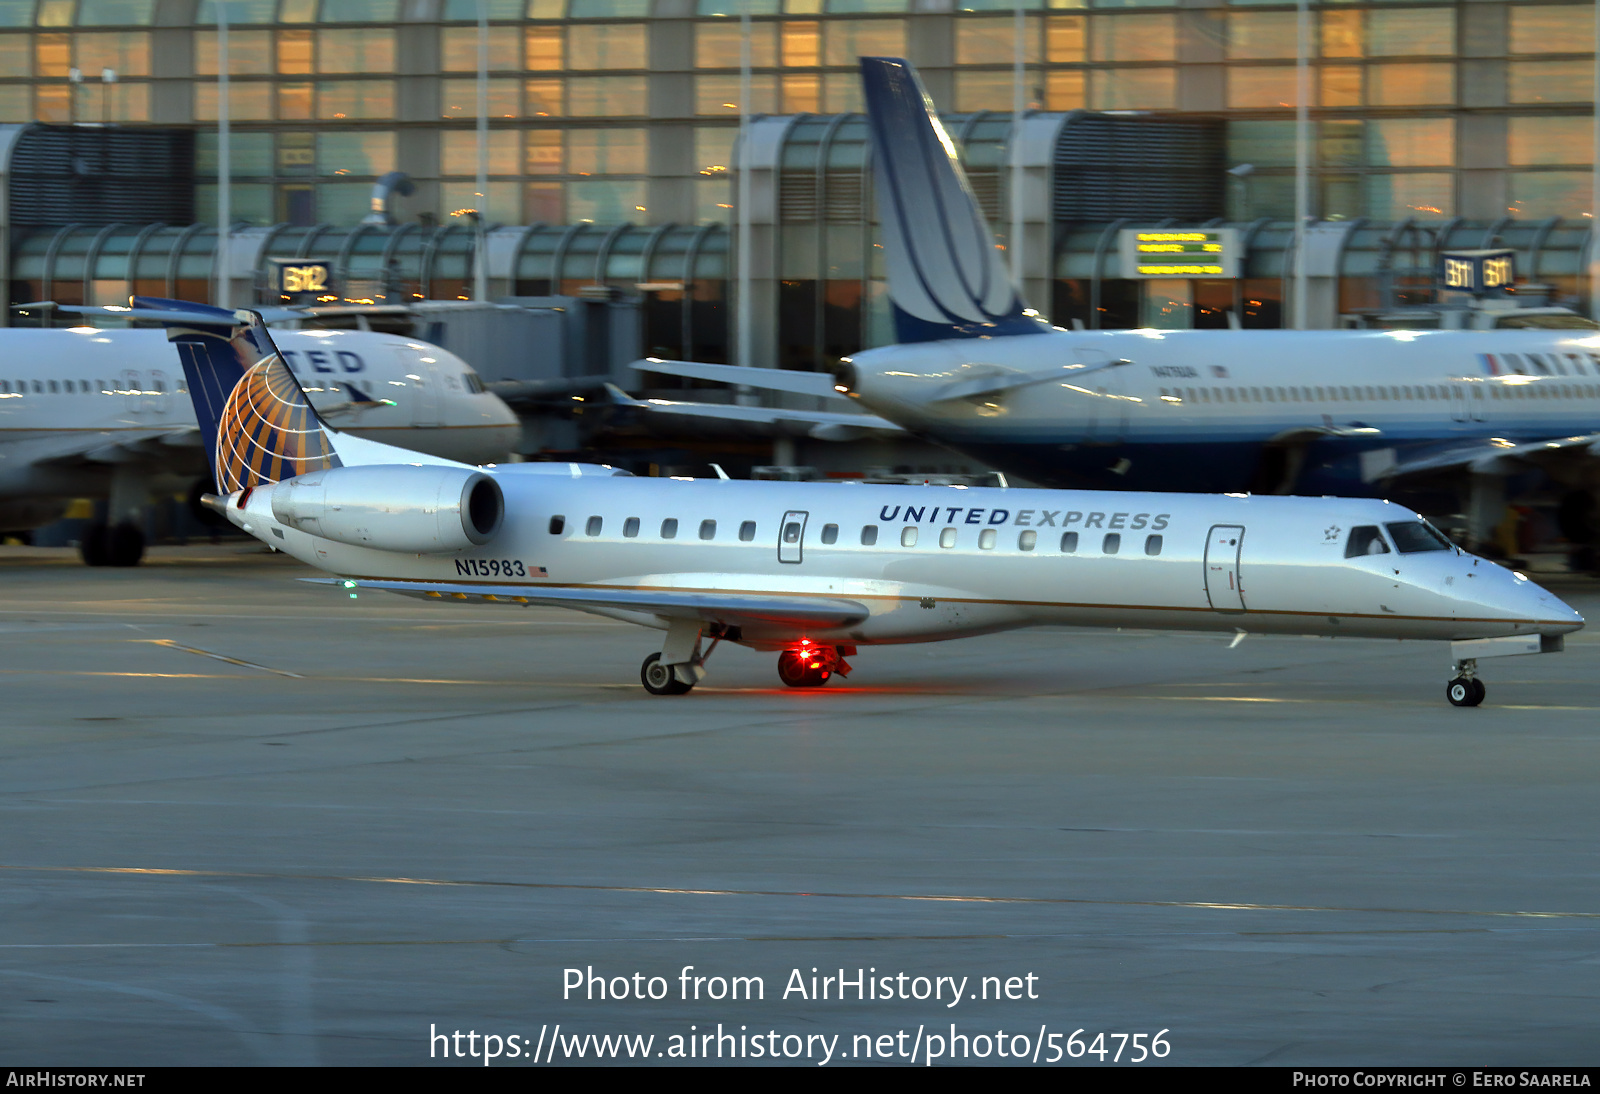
x=681, y=664
x=809, y=665
x=114, y=545
x=660, y=679
x=1466, y=690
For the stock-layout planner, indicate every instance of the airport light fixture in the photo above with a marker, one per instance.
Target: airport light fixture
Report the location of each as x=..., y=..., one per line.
x=224, y=160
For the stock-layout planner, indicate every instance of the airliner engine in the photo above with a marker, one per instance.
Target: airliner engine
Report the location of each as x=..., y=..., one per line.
x=412, y=508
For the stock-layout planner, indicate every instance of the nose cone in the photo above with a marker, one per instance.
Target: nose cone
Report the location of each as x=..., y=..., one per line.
x=1532, y=605
x=1556, y=615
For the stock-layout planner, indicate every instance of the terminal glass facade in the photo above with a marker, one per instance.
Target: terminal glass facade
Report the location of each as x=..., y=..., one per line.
x=608, y=109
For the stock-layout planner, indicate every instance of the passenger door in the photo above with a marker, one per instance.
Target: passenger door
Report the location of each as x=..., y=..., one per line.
x=132, y=392
x=791, y=536
x=1467, y=400
x=156, y=396
x=1223, y=548
x=423, y=383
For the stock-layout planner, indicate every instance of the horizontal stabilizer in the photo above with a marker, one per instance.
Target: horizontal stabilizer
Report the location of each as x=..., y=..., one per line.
x=155, y=309
x=717, y=607
x=820, y=424
x=766, y=379
x=1011, y=381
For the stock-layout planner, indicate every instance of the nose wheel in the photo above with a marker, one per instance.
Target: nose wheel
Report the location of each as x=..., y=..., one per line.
x=1465, y=691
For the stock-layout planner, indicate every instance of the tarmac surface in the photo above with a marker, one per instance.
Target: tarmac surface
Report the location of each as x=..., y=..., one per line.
x=251, y=821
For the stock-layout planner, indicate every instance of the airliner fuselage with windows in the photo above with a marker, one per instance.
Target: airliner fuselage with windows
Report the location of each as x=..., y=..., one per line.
x=1205, y=410
x=818, y=571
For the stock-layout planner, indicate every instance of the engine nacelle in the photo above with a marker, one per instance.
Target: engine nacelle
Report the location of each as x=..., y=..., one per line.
x=412, y=508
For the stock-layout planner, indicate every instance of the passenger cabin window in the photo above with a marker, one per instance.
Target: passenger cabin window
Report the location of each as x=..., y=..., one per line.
x=1111, y=544
x=630, y=527
x=1069, y=543
x=830, y=533
x=986, y=539
x=594, y=526
x=557, y=525
x=791, y=532
x=1027, y=540
x=708, y=529
x=55, y=388
x=1152, y=545
x=869, y=535
x=1414, y=536
x=669, y=528
x=1365, y=540
x=747, y=531
x=908, y=536
x=947, y=537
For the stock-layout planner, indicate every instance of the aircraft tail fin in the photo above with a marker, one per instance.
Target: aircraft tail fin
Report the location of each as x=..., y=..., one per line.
x=257, y=423
x=946, y=279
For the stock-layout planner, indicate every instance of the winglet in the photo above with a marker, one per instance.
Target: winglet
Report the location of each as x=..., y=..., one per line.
x=946, y=279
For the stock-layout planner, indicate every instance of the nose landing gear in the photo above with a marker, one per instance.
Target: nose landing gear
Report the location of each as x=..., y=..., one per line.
x=1466, y=690
x=810, y=666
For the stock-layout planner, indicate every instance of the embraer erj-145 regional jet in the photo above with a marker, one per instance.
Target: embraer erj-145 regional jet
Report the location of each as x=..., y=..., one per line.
x=815, y=572
x=1356, y=413
x=103, y=413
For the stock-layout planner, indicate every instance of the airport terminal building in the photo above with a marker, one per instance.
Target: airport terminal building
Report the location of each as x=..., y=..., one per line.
x=612, y=124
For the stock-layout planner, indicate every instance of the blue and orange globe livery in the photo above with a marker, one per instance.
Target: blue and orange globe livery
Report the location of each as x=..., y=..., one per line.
x=269, y=431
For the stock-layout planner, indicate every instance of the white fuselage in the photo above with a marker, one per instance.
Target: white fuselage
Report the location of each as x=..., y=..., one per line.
x=945, y=562
x=1191, y=410
x=76, y=403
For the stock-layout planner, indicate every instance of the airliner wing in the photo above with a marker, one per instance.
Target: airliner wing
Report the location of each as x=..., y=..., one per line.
x=820, y=424
x=113, y=447
x=713, y=607
x=1492, y=455
x=767, y=379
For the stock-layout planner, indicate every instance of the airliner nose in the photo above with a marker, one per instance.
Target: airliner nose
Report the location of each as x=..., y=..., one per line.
x=1550, y=614
x=1557, y=616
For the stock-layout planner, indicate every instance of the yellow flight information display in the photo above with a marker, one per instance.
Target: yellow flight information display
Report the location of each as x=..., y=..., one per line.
x=1177, y=252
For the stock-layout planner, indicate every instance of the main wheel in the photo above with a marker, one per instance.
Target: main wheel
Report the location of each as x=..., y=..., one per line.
x=93, y=547
x=659, y=679
x=124, y=545
x=794, y=669
x=1464, y=692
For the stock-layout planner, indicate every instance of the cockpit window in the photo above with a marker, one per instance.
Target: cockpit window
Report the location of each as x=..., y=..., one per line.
x=1365, y=540
x=1412, y=536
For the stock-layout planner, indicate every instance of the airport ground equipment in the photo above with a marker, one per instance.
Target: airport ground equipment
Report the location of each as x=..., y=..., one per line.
x=815, y=571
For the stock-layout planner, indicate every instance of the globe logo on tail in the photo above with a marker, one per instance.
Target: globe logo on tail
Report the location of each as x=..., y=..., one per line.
x=268, y=430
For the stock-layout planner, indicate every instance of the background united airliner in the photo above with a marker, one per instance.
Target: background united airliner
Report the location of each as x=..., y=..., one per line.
x=816, y=572
x=89, y=413
x=1444, y=414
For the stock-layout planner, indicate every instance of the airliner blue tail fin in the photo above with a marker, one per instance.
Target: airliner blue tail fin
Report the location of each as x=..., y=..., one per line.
x=257, y=423
x=946, y=279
